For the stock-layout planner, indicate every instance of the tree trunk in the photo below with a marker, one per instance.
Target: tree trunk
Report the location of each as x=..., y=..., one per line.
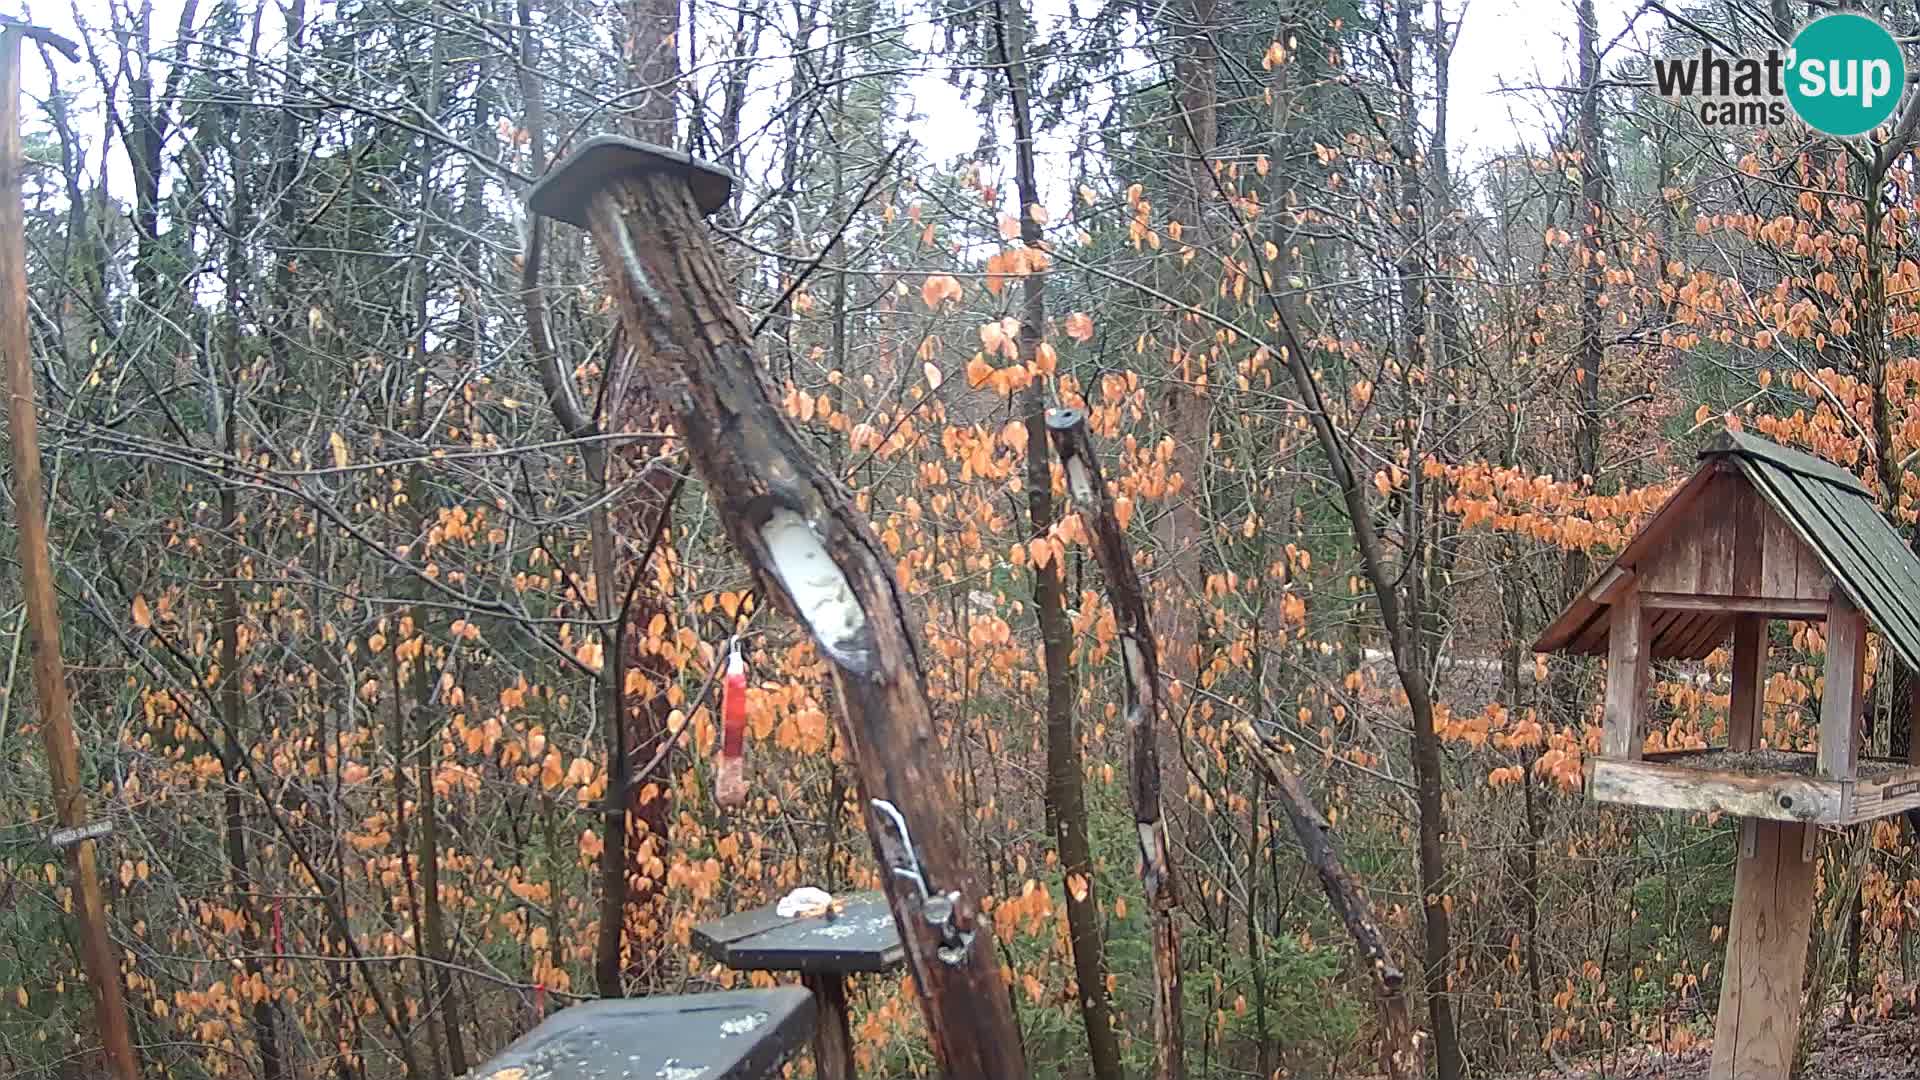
x=797, y=528
x=1065, y=791
x=1140, y=662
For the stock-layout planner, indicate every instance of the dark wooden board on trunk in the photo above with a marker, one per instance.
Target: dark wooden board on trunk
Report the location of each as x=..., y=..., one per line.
x=736, y=1035
x=861, y=937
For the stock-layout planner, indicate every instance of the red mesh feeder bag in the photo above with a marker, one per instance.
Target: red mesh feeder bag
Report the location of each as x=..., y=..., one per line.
x=730, y=769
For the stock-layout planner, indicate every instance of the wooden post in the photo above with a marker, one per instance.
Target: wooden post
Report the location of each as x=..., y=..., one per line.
x=832, y=1035
x=97, y=950
x=799, y=531
x=1629, y=664
x=1913, y=724
x=1749, y=682
x=1840, y=701
x=1140, y=662
x=1759, y=1018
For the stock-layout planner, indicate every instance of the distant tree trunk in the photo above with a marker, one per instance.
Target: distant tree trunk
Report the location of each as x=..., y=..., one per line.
x=652, y=45
x=1589, y=205
x=1418, y=634
x=1065, y=790
x=1181, y=532
x=233, y=756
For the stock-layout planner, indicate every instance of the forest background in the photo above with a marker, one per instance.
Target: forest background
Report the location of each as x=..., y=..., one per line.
x=393, y=606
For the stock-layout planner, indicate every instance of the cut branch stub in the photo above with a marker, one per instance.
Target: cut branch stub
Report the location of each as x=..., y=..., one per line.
x=1140, y=661
x=1140, y=654
x=798, y=530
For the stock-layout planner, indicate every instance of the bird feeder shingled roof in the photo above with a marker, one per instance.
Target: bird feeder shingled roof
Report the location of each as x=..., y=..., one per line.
x=1826, y=519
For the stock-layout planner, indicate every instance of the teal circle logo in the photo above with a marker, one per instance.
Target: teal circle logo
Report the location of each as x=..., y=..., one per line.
x=1847, y=75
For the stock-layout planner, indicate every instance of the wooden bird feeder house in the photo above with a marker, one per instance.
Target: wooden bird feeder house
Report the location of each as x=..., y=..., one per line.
x=1760, y=533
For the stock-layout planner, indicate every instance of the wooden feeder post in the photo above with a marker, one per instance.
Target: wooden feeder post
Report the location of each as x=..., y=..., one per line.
x=1761, y=532
x=797, y=527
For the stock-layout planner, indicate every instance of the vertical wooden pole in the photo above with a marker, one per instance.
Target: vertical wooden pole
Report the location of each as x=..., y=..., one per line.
x=832, y=1035
x=1913, y=721
x=1749, y=682
x=1845, y=682
x=97, y=950
x=1629, y=664
x=1759, y=1017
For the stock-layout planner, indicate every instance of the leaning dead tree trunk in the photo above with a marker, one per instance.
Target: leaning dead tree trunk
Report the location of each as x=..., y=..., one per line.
x=797, y=528
x=1400, y=1049
x=1140, y=660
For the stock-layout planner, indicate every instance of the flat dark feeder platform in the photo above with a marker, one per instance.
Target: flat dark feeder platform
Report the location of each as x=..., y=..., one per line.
x=735, y=1035
x=565, y=192
x=824, y=949
x=862, y=938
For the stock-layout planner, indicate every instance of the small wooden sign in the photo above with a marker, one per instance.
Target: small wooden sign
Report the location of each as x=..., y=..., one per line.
x=1899, y=790
x=66, y=838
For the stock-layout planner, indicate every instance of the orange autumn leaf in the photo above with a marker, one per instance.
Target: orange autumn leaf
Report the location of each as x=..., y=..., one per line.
x=939, y=287
x=142, y=616
x=1079, y=327
x=1041, y=552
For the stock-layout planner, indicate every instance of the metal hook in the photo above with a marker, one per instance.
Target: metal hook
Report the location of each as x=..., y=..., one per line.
x=911, y=871
x=936, y=908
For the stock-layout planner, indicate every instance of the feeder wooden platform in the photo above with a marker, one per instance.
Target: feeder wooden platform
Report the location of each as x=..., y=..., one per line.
x=732, y=1035
x=1774, y=785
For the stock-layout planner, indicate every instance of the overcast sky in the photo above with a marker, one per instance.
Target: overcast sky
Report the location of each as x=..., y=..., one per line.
x=1505, y=47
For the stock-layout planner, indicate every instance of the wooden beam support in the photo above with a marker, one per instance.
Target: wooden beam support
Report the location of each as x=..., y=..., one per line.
x=1759, y=1017
x=1629, y=663
x=1615, y=580
x=832, y=1033
x=1749, y=682
x=1778, y=607
x=1840, y=702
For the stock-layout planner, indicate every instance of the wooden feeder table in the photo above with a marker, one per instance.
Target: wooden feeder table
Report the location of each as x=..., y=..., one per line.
x=737, y=1035
x=824, y=949
x=1760, y=532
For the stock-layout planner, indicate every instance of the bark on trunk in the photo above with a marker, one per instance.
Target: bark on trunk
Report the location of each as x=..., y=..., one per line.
x=1065, y=790
x=1140, y=659
x=798, y=530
